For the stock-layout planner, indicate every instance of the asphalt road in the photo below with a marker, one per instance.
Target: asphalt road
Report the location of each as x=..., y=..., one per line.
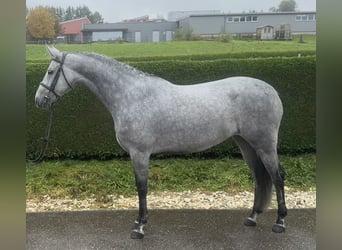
x=169, y=229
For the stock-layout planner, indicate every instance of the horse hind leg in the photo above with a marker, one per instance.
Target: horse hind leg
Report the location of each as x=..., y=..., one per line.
x=277, y=173
x=262, y=180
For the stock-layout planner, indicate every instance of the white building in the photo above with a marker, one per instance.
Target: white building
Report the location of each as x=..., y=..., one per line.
x=247, y=23
x=212, y=23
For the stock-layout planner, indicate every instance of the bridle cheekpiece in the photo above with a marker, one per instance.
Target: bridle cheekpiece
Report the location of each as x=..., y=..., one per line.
x=55, y=79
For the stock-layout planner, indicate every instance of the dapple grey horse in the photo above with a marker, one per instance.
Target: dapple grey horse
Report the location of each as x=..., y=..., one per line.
x=152, y=115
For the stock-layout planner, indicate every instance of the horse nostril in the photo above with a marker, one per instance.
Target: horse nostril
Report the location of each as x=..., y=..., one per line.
x=39, y=103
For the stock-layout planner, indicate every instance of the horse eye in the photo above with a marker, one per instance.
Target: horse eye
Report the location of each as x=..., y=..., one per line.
x=50, y=71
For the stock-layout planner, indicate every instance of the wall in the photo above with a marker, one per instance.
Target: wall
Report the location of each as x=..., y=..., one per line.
x=129, y=29
x=210, y=24
x=207, y=25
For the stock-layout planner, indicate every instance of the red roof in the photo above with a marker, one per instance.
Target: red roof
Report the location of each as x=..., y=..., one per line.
x=73, y=26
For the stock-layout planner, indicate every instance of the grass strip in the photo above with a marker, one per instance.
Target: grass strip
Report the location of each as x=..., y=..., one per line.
x=99, y=179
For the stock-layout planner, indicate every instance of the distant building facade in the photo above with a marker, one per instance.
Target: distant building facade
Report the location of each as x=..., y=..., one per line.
x=71, y=30
x=211, y=23
x=135, y=32
x=247, y=23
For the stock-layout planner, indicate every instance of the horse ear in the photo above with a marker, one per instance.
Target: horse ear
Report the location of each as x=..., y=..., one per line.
x=54, y=53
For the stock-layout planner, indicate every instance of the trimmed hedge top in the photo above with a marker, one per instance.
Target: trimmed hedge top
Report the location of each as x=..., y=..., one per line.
x=205, y=57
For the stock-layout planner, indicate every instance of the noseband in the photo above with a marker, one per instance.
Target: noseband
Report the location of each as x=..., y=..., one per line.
x=55, y=79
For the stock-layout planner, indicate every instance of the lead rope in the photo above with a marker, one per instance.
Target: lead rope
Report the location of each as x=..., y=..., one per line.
x=45, y=140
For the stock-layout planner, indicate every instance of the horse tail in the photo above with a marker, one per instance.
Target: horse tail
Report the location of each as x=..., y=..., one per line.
x=263, y=187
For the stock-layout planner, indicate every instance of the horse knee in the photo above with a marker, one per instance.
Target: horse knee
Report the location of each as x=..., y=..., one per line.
x=141, y=183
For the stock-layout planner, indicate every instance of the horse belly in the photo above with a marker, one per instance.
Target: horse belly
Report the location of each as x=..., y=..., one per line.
x=188, y=145
x=193, y=134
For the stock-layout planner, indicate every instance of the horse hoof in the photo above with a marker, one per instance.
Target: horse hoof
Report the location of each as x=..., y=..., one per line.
x=278, y=228
x=136, y=235
x=250, y=223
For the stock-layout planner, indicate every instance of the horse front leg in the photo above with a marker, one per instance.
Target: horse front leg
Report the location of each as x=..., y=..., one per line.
x=141, y=164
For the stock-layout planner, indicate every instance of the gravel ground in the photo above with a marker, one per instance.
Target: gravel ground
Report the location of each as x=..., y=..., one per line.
x=172, y=200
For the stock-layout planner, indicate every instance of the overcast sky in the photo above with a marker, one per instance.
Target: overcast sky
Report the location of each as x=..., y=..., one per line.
x=114, y=10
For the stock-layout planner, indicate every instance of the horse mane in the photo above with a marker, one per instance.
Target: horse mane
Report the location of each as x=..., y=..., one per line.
x=115, y=63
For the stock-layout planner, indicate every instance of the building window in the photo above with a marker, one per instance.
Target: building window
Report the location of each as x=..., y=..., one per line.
x=238, y=19
x=305, y=18
x=311, y=17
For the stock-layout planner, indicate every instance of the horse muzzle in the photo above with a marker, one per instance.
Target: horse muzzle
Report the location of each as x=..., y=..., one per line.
x=43, y=102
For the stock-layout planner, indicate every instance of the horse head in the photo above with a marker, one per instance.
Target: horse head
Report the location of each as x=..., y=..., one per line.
x=58, y=80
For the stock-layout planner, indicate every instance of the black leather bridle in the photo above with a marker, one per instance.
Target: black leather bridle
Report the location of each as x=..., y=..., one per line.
x=55, y=79
x=46, y=139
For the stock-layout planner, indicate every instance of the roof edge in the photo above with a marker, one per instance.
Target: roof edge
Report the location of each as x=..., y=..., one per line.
x=73, y=20
x=255, y=13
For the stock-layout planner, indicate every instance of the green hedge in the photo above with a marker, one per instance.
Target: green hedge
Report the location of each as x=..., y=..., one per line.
x=83, y=128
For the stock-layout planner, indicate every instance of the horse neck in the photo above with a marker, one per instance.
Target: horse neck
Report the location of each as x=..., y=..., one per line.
x=110, y=81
